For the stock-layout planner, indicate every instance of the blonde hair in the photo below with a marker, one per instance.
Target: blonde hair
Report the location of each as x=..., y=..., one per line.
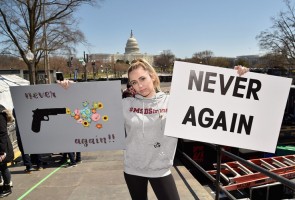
x=135, y=64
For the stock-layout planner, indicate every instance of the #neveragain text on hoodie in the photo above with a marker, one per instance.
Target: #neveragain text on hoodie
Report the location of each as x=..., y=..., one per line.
x=149, y=153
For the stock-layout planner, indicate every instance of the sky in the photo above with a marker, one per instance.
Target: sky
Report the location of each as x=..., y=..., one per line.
x=228, y=28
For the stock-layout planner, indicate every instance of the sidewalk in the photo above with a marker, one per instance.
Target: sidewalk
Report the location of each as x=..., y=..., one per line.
x=99, y=177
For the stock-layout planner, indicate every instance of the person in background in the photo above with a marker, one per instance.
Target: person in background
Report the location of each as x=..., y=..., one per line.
x=37, y=160
x=78, y=158
x=149, y=154
x=6, y=151
x=27, y=158
x=64, y=160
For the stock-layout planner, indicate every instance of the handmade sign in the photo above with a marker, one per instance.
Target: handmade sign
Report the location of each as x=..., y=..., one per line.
x=85, y=117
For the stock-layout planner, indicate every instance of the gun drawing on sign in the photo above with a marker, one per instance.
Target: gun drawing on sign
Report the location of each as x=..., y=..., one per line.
x=85, y=116
x=43, y=115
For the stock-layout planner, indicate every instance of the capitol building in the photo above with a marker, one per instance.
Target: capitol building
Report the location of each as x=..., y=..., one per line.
x=132, y=52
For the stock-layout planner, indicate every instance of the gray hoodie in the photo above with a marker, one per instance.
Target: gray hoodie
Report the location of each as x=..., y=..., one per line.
x=149, y=153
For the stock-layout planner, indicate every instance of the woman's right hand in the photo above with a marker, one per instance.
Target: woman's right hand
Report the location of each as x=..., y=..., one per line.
x=65, y=83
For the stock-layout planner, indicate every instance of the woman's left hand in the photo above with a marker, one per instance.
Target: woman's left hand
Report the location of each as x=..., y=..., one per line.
x=241, y=69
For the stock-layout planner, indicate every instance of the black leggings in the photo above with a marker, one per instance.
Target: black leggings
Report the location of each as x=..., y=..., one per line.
x=5, y=173
x=164, y=187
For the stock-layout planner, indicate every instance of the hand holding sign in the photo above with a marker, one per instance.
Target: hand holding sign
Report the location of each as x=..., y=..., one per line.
x=241, y=70
x=65, y=83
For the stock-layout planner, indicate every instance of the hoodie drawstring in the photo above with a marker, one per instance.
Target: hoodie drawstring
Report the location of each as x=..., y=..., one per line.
x=160, y=115
x=143, y=119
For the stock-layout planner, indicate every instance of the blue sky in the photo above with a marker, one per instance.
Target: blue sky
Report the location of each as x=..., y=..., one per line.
x=226, y=27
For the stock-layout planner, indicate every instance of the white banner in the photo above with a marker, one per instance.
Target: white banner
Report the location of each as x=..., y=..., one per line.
x=85, y=117
x=215, y=105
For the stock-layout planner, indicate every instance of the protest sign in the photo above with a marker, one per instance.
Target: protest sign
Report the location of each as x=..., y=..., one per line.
x=85, y=117
x=215, y=105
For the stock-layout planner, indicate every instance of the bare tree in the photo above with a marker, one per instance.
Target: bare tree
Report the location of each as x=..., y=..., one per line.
x=220, y=62
x=39, y=26
x=11, y=62
x=280, y=39
x=165, y=60
x=203, y=57
x=273, y=61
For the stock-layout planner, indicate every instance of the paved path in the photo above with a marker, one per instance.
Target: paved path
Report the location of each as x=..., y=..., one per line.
x=99, y=177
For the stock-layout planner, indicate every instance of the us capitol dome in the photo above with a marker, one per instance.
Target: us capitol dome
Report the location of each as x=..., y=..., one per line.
x=132, y=45
x=132, y=52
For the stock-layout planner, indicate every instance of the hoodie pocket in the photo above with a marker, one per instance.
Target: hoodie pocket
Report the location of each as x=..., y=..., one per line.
x=161, y=159
x=135, y=155
x=164, y=156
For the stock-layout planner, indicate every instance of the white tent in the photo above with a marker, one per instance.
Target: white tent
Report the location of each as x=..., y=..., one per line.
x=5, y=82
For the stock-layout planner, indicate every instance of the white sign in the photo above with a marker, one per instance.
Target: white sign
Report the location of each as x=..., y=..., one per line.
x=215, y=105
x=85, y=117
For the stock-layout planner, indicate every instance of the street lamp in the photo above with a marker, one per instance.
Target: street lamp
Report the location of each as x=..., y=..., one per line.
x=84, y=63
x=70, y=64
x=93, y=68
x=107, y=71
x=85, y=70
x=30, y=55
x=30, y=58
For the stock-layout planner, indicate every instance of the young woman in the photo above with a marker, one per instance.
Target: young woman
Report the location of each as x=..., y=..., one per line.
x=149, y=153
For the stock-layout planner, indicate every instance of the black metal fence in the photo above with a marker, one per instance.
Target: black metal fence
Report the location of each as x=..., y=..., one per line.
x=216, y=181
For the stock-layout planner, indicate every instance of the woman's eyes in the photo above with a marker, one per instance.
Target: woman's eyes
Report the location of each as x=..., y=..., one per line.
x=142, y=78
